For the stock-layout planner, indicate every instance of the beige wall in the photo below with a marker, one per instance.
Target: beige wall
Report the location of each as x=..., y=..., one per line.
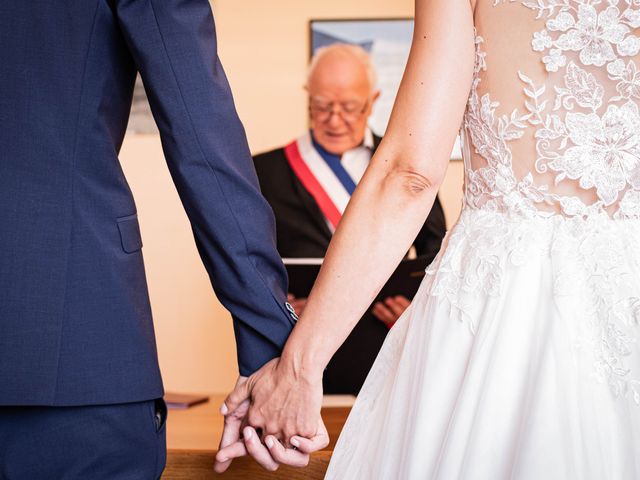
x=264, y=47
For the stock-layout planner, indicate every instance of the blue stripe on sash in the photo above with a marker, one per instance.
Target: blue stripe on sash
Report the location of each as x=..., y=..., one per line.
x=336, y=167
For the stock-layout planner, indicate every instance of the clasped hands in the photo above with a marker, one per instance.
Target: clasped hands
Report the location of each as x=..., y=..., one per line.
x=274, y=416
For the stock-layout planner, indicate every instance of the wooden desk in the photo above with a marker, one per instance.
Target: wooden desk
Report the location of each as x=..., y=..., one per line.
x=193, y=436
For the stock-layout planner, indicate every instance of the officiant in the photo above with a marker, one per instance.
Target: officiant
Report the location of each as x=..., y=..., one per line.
x=310, y=181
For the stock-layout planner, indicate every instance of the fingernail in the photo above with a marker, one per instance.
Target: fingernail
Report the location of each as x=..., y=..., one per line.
x=295, y=442
x=269, y=442
x=247, y=433
x=224, y=409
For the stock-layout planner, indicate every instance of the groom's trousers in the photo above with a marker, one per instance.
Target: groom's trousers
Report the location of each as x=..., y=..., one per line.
x=109, y=442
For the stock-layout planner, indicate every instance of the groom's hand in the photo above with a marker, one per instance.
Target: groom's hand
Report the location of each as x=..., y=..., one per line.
x=285, y=408
x=283, y=404
x=231, y=437
x=270, y=453
x=238, y=440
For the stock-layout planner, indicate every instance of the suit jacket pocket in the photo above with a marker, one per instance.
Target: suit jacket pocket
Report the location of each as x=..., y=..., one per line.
x=130, y=233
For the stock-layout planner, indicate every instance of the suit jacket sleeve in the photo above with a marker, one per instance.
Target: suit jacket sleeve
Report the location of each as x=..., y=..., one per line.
x=173, y=44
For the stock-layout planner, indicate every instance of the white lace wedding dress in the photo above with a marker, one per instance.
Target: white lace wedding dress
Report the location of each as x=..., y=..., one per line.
x=519, y=357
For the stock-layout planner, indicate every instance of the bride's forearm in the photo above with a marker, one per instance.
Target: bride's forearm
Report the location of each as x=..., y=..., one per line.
x=378, y=228
x=397, y=192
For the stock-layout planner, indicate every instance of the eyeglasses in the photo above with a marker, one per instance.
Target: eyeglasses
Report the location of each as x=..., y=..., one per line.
x=350, y=111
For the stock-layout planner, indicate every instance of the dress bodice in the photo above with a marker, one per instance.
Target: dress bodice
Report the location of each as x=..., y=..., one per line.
x=552, y=124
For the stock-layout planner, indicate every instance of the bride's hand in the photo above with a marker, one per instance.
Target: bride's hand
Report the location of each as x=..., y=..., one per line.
x=284, y=407
x=283, y=404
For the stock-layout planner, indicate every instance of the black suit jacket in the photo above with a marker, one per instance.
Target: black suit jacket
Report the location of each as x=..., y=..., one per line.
x=302, y=232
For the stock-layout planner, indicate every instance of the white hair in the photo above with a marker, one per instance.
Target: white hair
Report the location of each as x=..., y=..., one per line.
x=353, y=52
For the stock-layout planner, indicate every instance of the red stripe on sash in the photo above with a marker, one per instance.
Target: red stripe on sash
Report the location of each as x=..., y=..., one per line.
x=311, y=183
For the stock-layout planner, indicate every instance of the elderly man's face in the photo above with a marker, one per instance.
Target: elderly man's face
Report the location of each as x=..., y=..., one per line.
x=340, y=102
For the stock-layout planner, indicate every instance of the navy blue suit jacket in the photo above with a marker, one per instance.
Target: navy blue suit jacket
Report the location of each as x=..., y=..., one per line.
x=75, y=320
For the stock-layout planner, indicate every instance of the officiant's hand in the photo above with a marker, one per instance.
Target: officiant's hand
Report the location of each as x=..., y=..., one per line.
x=298, y=304
x=391, y=309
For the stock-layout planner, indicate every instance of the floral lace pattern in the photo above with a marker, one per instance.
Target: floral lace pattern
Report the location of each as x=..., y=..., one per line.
x=585, y=125
x=595, y=267
x=581, y=134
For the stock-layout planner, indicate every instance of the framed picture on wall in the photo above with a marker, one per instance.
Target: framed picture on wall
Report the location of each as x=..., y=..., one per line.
x=388, y=41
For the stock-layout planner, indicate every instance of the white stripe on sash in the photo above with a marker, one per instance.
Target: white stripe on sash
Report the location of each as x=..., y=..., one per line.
x=356, y=161
x=323, y=173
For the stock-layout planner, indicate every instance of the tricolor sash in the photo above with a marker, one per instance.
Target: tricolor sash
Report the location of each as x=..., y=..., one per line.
x=318, y=178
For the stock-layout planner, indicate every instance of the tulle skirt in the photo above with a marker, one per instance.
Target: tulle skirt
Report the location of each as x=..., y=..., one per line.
x=518, y=359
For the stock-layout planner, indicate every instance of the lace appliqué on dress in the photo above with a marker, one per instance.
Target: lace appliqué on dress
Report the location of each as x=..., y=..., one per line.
x=581, y=135
x=599, y=145
x=594, y=266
